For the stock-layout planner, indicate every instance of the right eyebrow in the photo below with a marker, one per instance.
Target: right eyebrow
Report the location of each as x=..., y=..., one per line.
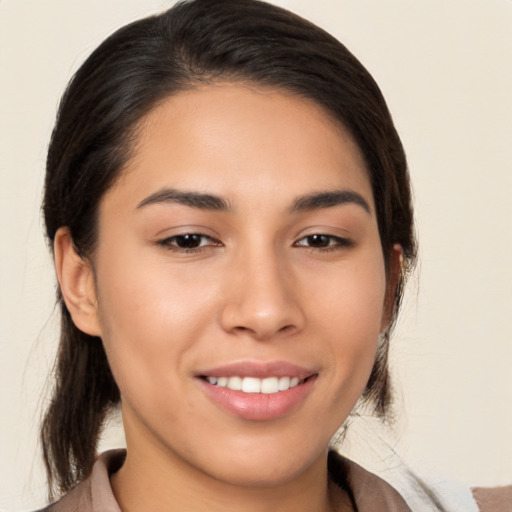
x=188, y=198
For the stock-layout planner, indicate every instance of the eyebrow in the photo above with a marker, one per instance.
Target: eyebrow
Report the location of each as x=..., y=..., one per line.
x=202, y=201
x=192, y=199
x=329, y=199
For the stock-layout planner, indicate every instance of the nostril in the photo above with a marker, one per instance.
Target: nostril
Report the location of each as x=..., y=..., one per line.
x=262, y=333
x=242, y=328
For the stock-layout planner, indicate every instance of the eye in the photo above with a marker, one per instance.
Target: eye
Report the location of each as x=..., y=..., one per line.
x=321, y=241
x=189, y=242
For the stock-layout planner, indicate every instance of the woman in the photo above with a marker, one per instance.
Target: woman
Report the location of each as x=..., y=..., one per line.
x=229, y=208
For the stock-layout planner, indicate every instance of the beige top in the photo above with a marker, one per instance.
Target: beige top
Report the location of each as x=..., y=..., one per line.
x=370, y=493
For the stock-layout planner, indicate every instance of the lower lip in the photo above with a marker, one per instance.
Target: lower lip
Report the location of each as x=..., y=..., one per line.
x=259, y=406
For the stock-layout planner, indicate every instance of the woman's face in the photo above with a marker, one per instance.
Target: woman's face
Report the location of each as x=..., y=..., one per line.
x=239, y=249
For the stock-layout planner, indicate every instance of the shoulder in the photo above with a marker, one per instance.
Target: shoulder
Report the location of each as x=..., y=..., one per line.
x=368, y=491
x=94, y=493
x=408, y=492
x=494, y=499
x=78, y=499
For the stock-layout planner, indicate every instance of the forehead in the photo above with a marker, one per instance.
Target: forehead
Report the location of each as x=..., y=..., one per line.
x=232, y=138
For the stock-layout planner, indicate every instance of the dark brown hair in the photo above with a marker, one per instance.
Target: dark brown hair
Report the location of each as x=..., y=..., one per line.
x=199, y=41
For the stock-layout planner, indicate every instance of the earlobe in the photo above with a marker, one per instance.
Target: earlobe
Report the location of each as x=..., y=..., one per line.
x=76, y=280
x=394, y=276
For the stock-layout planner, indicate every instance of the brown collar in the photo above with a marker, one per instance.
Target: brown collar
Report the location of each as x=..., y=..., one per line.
x=369, y=492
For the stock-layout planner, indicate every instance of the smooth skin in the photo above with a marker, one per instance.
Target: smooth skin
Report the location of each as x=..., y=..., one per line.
x=268, y=277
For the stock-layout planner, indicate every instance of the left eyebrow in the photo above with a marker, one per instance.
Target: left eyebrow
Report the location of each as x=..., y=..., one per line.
x=329, y=199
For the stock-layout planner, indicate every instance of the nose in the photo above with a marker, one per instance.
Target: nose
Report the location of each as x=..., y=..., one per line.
x=262, y=299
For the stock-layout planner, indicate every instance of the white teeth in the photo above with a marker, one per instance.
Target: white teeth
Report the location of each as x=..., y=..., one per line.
x=251, y=385
x=284, y=383
x=268, y=385
x=235, y=383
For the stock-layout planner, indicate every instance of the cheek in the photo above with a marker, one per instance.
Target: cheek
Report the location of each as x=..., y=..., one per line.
x=350, y=299
x=349, y=311
x=149, y=319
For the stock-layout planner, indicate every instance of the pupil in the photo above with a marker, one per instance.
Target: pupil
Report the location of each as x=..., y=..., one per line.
x=188, y=241
x=318, y=240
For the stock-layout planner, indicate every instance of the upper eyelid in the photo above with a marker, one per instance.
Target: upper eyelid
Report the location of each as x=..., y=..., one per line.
x=188, y=233
x=169, y=233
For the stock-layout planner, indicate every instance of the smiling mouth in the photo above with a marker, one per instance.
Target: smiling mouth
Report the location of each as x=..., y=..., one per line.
x=268, y=385
x=258, y=392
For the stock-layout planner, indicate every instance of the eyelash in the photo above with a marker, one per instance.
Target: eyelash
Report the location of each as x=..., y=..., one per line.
x=171, y=242
x=333, y=242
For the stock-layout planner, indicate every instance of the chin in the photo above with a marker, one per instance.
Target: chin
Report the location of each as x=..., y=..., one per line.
x=263, y=465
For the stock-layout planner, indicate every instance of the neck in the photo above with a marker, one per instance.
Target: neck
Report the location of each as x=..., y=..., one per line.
x=160, y=481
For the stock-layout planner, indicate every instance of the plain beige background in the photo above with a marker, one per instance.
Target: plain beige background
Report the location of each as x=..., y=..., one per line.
x=445, y=69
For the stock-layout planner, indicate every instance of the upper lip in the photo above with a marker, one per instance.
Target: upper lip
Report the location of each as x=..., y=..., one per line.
x=258, y=369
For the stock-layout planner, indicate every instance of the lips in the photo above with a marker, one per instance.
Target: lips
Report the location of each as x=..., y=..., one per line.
x=258, y=391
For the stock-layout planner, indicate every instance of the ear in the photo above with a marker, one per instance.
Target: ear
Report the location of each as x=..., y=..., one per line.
x=76, y=280
x=393, y=278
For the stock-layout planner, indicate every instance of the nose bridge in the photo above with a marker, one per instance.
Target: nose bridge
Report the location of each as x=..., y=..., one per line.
x=261, y=299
